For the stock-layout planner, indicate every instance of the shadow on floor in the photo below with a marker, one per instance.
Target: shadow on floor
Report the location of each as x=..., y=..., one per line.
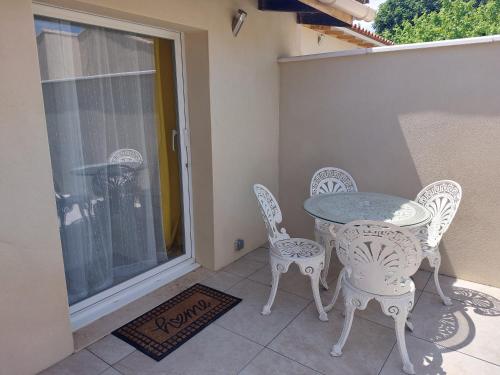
x=454, y=317
x=455, y=328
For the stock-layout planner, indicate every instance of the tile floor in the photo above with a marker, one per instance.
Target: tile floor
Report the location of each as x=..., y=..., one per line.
x=459, y=339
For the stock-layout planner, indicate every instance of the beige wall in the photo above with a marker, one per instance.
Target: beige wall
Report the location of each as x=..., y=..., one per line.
x=198, y=88
x=398, y=121
x=233, y=100
x=308, y=39
x=33, y=303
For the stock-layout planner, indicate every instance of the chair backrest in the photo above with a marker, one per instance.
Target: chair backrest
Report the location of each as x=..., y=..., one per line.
x=332, y=180
x=271, y=214
x=379, y=257
x=442, y=199
x=126, y=156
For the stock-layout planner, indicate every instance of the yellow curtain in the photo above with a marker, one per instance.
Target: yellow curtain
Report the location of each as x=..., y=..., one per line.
x=166, y=114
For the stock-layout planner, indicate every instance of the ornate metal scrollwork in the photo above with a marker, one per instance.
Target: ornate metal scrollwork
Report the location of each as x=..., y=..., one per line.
x=393, y=310
x=373, y=248
x=356, y=302
x=378, y=260
x=307, y=254
x=332, y=180
x=309, y=270
x=271, y=213
x=298, y=248
x=442, y=199
x=329, y=180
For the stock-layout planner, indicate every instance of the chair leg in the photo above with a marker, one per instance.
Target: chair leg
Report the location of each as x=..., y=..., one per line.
x=266, y=310
x=329, y=245
x=400, y=321
x=315, y=277
x=337, y=291
x=349, y=315
x=324, y=241
x=435, y=261
x=409, y=323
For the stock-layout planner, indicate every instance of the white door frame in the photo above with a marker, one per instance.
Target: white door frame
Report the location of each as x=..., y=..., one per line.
x=94, y=307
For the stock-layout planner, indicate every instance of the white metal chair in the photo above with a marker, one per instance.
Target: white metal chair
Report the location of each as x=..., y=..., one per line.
x=329, y=180
x=378, y=260
x=307, y=254
x=442, y=199
x=126, y=156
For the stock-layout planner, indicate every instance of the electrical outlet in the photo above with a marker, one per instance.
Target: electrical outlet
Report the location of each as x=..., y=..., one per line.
x=239, y=244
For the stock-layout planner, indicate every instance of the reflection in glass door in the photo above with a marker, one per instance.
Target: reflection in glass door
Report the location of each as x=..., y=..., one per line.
x=111, y=114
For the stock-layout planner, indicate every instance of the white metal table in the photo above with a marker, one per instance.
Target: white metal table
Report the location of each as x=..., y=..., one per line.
x=342, y=208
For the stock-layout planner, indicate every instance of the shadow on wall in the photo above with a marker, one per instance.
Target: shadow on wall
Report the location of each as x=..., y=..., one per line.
x=398, y=121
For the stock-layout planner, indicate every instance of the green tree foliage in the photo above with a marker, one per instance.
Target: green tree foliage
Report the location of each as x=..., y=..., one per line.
x=456, y=19
x=394, y=12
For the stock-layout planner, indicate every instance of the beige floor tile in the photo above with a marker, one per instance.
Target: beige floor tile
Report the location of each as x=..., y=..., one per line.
x=260, y=254
x=460, y=332
x=111, y=371
x=464, y=290
x=111, y=349
x=184, y=282
x=272, y=363
x=432, y=359
x=333, y=275
x=221, y=280
x=244, y=267
x=309, y=341
x=80, y=363
x=420, y=279
x=105, y=325
x=246, y=319
x=214, y=351
x=292, y=281
x=471, y=329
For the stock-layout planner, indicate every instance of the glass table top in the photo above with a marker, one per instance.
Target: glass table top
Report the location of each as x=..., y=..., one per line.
x=93, y=169
x=343, y=208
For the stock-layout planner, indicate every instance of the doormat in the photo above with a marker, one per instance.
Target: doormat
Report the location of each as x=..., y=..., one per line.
x=166, y=327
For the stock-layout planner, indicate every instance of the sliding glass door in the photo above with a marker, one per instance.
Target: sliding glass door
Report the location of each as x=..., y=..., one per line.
x=112, y=119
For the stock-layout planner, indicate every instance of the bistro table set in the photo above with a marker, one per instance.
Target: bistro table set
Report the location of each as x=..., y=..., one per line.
x=379, y=239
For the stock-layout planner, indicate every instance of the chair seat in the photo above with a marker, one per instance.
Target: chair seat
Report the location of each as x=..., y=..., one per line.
x=399, y=290
x=297, y=248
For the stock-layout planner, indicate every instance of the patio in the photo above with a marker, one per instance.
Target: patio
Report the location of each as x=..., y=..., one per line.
x=458, y=339
x=270, y=106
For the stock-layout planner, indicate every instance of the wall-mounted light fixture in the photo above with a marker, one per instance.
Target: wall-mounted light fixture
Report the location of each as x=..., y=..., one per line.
x=238, y=20
x=320, y=38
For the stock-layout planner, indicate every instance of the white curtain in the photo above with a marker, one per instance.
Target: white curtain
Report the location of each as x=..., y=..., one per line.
x=98, y=89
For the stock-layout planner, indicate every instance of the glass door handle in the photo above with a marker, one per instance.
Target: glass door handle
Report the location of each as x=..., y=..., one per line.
x=174, y=134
